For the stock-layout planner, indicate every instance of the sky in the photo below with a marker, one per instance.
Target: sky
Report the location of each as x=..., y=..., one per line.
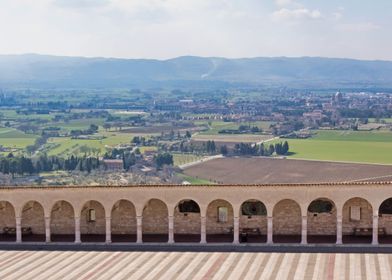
x=164, y=29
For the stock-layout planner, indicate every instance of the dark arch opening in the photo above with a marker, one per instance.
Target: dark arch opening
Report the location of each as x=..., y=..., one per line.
x=253, y=222
x=321, y=221
x=187, y=221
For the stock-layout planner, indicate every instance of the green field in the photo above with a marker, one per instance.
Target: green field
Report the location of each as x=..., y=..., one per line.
x=216, y=126
x=353, y=146
x=12, y=138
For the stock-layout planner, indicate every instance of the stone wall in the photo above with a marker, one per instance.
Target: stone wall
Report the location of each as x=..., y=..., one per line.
x=186, y=223
x=287, y=218
x=213, y=225
x=385, y=221
x=259, y=222
x=322, y=223
x=123, y=218
x=62, y=220
x=97, y=227
x=33, y=217
x=155, y=217
x=366, y=215
x=7, y=215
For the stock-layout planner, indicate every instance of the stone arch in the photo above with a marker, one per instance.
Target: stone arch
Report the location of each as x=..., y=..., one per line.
x=385, y=221
x=187, y=221
x=220, y=221
x=253, y=221
x=321, y=221
x=33, y=222
x=123, y=221
x=7, y=221
x=92, y=222
x=287, y=222
x=155, y=225
x=62, y=221
x=357, y=221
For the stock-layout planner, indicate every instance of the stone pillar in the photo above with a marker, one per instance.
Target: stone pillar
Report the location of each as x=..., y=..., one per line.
x=203, y=230
x=108, y=230
x=375, y=230
x=171, y=230
x=236, y=232
x=270, y=230
x=304, y=230
x=339, y=230
x=18, y=229
x=47, y=229
x=77, y=230
x=139, y=229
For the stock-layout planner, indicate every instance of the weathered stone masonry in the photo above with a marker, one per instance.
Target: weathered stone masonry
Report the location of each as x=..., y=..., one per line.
x=146, y=210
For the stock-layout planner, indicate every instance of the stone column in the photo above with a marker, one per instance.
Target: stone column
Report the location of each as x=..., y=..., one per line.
x=304, y=231
x=203, y=230
x=236, y=232
x=77, y=230
x=339, y=230
x=108, y=230
x=171, y=230
x=375, y=230
x=270, y=230
x=18, y=229
x=139, y=229
x=47, y=229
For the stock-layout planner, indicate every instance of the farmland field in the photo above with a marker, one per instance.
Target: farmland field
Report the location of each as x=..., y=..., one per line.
x=258, y=170
x=350, y=146
x=180, y=159
x=12, y=138
x=216, y=126
x=236, y=138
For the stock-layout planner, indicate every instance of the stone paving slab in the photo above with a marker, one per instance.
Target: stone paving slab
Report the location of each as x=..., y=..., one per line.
x=23, y=265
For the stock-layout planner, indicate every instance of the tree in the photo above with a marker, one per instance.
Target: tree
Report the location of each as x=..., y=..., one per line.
x=285, y=147
x=224, y=151
x=164, y=159
x=107, y=126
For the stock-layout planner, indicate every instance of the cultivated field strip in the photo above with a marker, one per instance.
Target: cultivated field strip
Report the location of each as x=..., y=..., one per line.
x=23, y=265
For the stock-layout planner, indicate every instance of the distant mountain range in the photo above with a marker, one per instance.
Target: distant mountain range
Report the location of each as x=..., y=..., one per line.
x=32, y=70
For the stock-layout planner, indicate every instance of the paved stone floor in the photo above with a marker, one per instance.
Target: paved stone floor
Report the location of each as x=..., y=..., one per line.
x=191, y=265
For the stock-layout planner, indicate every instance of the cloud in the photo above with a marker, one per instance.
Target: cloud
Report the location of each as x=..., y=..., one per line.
x=282, y=3
x=296, y=14
x=81, y=3
x=359, y=27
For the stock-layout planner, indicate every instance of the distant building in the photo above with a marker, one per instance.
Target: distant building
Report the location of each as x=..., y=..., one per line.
x=113, y=164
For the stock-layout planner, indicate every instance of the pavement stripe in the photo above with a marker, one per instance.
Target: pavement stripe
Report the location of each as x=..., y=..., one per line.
x=57, y=272
x=241, y=266
x=330, y=267
x=205, y=266
x=363, y=266
x=20, y=264
x=262, y=266
x=39, y=266
x=385, y=269
x=225, y=265
x=214, y=267
x=162, y=267
x=232, y=265
x=370, y=266
x=144, y=268
x=309, y=269
x=252, y=258
x=318, y=267
x=270, y=266
x=189, y=268
x=77, y=271
x=355, y=269
x=284, y=268
x=347, y=266
x=181, y=262
x=339, y=267
x=257, y=263
x=119, y=266
x=134, y=265
x=301, y=267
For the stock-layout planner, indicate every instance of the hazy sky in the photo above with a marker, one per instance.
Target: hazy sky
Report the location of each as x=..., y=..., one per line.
x=170, y=28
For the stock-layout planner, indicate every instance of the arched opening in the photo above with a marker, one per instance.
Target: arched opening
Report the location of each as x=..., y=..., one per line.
x=33, y=222
x=253, y=222
x=92, y=222
x=187, y=221
x=123, y=222
x=155, y=221
x=322, y=221
x=287, y=222
x=357, y=221
x=7, y=222
x=220, y=221
x=385, y=222
x=62, y=222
